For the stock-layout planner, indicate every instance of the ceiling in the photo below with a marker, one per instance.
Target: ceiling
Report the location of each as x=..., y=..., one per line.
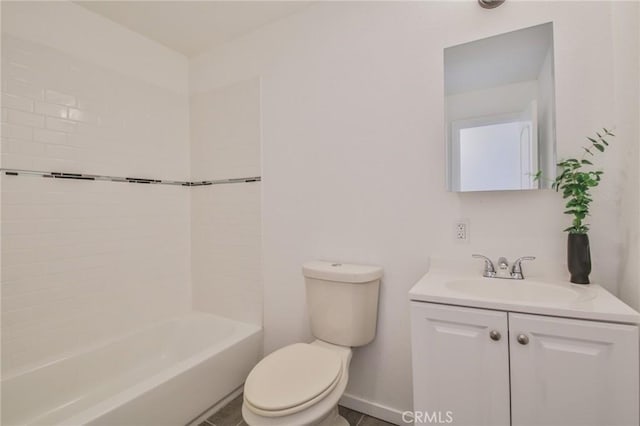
x=495, y=61
x=193, y=27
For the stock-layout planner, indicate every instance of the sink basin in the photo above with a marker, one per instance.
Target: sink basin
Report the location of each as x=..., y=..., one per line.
x=519, y=290
x=450, y=282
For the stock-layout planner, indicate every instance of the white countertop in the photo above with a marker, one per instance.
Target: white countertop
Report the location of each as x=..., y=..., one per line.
x=593, y=301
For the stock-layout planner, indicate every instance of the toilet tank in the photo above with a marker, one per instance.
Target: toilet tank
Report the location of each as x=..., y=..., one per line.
x=342, y=301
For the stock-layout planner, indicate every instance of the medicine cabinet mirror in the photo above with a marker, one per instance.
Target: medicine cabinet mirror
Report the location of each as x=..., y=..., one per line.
x=500, y=111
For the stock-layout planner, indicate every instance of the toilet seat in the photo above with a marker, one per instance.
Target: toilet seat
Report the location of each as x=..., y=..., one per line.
x=291, y=379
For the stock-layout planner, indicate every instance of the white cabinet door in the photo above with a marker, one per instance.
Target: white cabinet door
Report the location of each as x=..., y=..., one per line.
x=459, y=370
x=572, y=372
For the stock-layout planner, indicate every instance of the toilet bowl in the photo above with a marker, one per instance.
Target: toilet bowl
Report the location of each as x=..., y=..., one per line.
x=301, y=384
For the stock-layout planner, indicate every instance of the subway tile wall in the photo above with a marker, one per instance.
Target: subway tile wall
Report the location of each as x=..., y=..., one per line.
x=82, y=261
x=61, y=113
x=225, y=131
x=226, y=228
x=226, y=251
x=86, y=260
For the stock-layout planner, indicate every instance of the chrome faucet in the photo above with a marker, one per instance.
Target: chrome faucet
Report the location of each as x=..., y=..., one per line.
x=503, y=264
x=516, y=269
x=489, y=269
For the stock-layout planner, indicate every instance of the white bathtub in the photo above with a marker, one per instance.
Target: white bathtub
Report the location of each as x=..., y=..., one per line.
x=167, y=374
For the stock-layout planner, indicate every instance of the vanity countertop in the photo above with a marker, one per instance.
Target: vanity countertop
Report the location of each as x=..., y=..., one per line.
x=534, y=296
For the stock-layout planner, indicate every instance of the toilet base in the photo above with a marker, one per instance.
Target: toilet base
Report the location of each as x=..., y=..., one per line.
x=331, y=419
x=334, y=419
x=341, y=421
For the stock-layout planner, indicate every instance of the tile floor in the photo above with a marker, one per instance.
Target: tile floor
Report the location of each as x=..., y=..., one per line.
x=231, y=415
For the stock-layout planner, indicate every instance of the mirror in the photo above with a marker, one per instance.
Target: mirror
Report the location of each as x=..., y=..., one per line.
x=500, y=111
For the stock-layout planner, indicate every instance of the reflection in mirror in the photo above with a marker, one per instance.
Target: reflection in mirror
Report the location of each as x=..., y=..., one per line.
x=500, y=111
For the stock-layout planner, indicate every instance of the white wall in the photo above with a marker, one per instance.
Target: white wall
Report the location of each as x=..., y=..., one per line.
x=226, y=222
x=626, y=49
x=353, y=154
x=85, y=260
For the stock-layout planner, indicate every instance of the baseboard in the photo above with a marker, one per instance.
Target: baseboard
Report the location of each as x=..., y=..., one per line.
x=372, y=409
x=216, y=407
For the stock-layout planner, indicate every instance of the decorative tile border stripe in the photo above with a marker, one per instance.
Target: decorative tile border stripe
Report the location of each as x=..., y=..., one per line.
x=85, y=176
x=223, y=181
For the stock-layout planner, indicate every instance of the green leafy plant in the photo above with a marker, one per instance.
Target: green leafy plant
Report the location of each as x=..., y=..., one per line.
x=577, y=178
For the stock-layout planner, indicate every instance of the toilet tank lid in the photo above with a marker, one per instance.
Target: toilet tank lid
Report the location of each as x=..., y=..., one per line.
x=341, y=272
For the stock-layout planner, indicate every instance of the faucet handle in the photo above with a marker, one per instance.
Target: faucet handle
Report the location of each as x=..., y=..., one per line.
x=516, y=269
x=489, y=269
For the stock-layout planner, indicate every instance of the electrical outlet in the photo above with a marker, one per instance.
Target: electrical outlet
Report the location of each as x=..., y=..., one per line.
x=461, y=234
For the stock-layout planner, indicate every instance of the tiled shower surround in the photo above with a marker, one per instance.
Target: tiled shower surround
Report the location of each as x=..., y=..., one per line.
x=84, y=260
x=87, y=259
x=226, y=220
x=61, y=113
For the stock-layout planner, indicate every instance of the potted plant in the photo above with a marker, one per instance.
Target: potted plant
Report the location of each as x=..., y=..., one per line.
x=575, y=180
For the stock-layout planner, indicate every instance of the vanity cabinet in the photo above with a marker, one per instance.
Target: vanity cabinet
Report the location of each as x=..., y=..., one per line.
x=490, y=367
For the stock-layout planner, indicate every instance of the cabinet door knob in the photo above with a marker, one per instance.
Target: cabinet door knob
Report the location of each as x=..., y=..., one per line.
x=522, y=339
x=495, y=335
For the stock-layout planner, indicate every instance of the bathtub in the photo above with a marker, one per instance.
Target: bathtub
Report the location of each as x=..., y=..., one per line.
x=165, y=374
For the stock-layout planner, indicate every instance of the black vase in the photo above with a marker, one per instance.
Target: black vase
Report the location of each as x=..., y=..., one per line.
x=579, y=258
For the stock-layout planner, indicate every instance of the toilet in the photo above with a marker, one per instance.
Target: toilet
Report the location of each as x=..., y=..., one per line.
x=302, y=383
